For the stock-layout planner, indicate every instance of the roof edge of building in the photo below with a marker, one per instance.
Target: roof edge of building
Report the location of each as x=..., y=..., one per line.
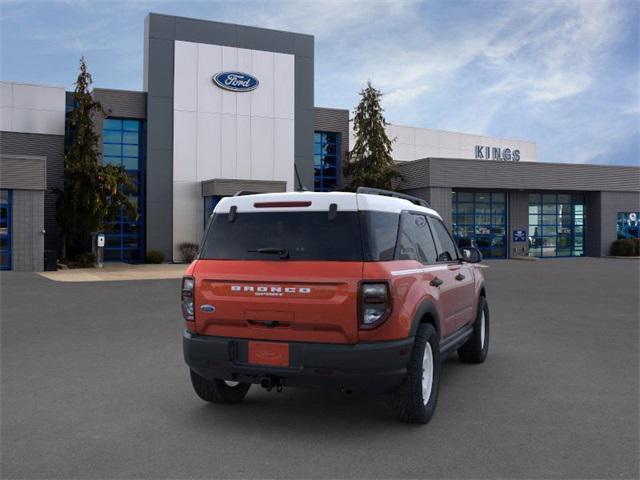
x=167, y=15
x=540, y=162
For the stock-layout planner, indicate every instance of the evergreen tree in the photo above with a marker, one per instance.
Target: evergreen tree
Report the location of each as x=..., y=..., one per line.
x=92, y=191
x=369, y=163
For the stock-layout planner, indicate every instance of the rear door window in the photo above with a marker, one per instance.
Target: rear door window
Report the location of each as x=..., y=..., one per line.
x=304, y=236
x=447, y=251
x=415, y=241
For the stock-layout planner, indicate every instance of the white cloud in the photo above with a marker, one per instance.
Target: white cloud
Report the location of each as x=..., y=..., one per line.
x=458, y=66
x=327, y=18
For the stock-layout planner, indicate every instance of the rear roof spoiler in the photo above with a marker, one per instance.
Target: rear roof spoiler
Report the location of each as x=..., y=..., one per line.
x=389, y=193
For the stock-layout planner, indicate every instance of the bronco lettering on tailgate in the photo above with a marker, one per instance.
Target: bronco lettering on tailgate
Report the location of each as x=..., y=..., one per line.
x=269, y=291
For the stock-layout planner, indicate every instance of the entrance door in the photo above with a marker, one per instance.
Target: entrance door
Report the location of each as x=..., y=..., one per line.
x=5, y=229
x=479, y=220
x=556, y=225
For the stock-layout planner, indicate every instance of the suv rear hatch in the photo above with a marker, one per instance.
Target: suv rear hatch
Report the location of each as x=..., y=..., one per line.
x=281, y=270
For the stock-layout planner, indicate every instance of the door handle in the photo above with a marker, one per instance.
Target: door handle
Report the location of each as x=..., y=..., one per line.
x=436, y=282
x=459, y=277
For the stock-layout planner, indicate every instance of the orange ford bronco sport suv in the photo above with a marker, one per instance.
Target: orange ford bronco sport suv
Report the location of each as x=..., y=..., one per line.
x=358, y=291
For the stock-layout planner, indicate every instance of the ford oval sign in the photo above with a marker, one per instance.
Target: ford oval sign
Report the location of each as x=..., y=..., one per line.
x=236, y=81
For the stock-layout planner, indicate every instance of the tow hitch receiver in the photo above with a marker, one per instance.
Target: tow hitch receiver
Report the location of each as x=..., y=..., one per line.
x=270, y=382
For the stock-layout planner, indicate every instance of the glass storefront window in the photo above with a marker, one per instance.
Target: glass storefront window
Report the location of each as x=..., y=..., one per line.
x=5, y=229
x=479, y=219
x=556, y=225
x=123, y=145
x=326, y=161
x=627, y=225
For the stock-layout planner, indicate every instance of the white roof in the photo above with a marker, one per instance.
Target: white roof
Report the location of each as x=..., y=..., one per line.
x=320, y=201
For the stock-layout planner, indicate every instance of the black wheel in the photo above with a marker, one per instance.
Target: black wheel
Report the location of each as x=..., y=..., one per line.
x=476, y=348
x=415, y=400
x=218, y=391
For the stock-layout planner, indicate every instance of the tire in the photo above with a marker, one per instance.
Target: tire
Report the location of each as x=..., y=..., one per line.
x=408, y=401
x=218, y=391
x=476, y=348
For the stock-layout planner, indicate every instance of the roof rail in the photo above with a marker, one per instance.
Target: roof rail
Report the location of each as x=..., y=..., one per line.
x=241, y=193
x=389, y=193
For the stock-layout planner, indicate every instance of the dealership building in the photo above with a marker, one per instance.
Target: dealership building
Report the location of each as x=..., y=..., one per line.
x=228, y=107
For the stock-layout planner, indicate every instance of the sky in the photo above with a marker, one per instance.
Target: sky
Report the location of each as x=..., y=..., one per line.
x=565, y=74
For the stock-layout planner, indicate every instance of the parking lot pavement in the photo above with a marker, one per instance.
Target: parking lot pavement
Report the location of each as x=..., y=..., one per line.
x=93, y=386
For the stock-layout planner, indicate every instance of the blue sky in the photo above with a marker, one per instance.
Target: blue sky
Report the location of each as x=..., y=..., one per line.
x=565, y=74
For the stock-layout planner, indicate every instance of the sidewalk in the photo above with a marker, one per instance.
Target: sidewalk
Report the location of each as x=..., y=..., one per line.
x=117, y=272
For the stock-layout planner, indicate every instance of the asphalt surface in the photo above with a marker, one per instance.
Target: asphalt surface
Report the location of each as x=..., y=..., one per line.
x=93, y=386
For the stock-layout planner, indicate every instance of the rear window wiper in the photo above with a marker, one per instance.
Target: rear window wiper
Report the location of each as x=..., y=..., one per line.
x=283, y=252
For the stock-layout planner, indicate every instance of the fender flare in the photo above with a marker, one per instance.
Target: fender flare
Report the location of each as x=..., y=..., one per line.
x=426, y=307
x=482, y=289
x=482, y=293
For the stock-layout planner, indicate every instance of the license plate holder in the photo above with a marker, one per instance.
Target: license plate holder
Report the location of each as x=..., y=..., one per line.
x=269, y=354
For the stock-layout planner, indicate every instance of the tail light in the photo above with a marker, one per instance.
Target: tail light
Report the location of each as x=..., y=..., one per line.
x=375, y=304
x=186, y=298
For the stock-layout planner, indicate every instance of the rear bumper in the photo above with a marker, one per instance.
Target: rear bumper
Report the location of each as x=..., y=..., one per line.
x=371, y=367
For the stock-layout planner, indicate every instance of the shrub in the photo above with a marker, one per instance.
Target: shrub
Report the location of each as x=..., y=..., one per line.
x=628, y=247
x=153, y=256
x=85, y=260
x=188, y=251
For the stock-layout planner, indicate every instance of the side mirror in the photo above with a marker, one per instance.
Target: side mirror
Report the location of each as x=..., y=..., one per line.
x=471, y=255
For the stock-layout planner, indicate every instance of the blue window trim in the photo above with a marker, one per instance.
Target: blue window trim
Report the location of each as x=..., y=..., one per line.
x=322, y=182
x=456, y=203
x=576, y=200
x=9, y=219
x=122, y=126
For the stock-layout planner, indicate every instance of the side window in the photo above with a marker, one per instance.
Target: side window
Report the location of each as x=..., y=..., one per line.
x=380, y=231
x=415, y=241
x=447, y=250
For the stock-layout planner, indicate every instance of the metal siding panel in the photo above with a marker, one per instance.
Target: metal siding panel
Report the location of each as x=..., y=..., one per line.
x=414, y=174
x=253, y=38
x=304, y=45
x=51, y=147
x=159, y=64
x=518, y=205
x=303, y=144
x=610, y=204
x=488, y=174
x=122, y=103
x=593, y=224
x=304, y=118
x=224, y=187
x=160, y=26
x=26, y=231
x=203, y=31
x=334, y=120
x=27, y=173
x=439, y=199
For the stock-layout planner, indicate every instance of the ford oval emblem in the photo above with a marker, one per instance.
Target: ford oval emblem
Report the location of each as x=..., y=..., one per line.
x=208, y=308
x=236, y=81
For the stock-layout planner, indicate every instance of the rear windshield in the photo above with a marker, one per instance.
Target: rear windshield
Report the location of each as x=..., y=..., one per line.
x=350, y=236
x=302, y=235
